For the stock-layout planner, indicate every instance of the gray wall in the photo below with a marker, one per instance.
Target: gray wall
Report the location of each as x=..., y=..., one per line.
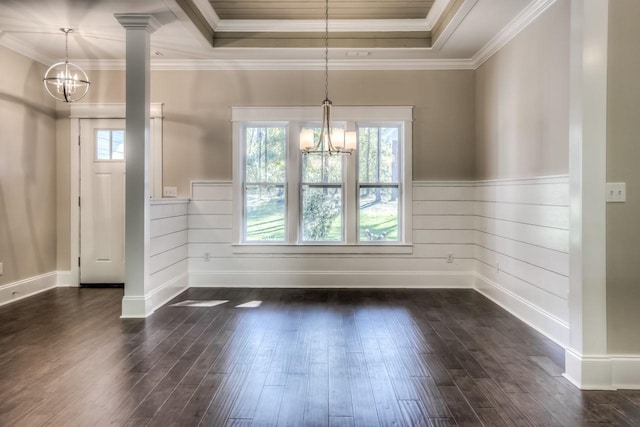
x=197, y=127
x=27, y=170
x=522, y=102
x=623, y=158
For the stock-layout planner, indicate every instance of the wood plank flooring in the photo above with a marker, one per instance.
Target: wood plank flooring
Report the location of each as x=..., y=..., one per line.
x=303, y=358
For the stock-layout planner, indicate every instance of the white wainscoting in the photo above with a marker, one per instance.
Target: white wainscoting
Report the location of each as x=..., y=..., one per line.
x=522, y=250
x=438, y=230
x=168, y=274
x=509, y=240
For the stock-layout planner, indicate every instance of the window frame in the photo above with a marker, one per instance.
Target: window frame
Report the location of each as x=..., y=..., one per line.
x=243, y=167
x=359, y=184
x=294, y=118
x=300, y=183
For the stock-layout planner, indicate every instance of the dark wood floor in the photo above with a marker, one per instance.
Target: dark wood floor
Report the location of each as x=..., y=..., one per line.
x=305, y=357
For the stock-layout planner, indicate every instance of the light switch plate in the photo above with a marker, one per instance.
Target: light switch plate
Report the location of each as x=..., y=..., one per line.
x=616, y=192
x=170, y=192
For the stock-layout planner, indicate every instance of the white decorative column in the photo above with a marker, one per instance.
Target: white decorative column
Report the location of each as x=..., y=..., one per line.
x=137, y=236
x=587, y=362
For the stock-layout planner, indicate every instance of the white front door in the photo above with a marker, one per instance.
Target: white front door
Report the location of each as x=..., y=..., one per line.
x=102, y=200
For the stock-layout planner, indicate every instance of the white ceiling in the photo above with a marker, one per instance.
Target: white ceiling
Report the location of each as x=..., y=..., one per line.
x=31, y=27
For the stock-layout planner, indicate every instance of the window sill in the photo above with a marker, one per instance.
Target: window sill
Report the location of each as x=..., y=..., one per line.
x=329, y=249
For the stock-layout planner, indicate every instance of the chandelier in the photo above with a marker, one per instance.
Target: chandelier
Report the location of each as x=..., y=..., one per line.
x=331, y=140
x=66, y=81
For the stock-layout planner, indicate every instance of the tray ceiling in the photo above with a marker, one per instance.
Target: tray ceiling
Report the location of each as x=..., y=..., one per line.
x=364, y=34
x=315, y=9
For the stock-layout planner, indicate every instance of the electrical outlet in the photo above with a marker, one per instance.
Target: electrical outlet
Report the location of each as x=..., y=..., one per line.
x=1, y=271
x=450, y=258
x=497, y=267
x=616, y=192
x=170, y=192
x=207, y=256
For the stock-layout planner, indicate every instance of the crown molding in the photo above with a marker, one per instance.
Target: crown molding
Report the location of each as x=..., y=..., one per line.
x=288, y=64
x=317, y=25
x=452, y=26
x=511, y=30
x=305, y=25
x=208, y=12
x=435, y=13
x=14, y=44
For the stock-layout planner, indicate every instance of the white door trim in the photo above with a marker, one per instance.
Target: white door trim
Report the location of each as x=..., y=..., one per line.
x=105, y=111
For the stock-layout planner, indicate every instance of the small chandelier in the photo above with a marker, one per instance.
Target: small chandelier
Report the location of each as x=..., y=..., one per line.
x=65, y=81
x=331, y=140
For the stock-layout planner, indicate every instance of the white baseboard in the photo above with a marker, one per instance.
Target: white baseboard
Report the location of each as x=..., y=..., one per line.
x=626, y=371
x=63, y=278
x=21, y=289
x=548, y=325
x=333, y=279
x=588, y=372
x=610, y=372
x=135, y=307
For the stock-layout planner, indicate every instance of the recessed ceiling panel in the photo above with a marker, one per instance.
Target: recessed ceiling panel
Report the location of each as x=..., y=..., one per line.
x=315, y=9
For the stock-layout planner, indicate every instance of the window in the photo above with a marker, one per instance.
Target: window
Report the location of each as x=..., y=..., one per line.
x=110, y=144
x=265, y=183
x=285, y=198
x=322, y=190
x=378, y=183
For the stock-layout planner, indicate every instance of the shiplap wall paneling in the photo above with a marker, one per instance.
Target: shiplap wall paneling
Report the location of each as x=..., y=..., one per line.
x=168, y=260
x=443, y=224
x=522, y=245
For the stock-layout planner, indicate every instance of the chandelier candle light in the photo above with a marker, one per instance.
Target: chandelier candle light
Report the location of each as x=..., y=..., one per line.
x=331, y=140
x=65, y=81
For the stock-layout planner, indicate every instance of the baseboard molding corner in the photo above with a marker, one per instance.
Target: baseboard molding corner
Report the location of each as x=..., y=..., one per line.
x=138, y=307
x=25, y=288
x=588, y=372
x=63, y=278
x=608, y=372
x=626, y=371
x=551, y=327
x=135, y=307
x=334, y=279
x=169, y=290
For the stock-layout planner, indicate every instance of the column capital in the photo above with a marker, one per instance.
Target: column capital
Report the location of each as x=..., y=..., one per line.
x=138, y=21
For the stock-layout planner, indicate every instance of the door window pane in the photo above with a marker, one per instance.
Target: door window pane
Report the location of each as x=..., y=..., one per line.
x=265, y=212
x=321, y=213
x=378, y=214
x=110, y=144
x=117, y=145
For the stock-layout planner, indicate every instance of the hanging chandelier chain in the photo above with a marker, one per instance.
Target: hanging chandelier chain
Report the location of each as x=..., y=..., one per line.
x=66, y=32
x=326, y=50
x=326, y=144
